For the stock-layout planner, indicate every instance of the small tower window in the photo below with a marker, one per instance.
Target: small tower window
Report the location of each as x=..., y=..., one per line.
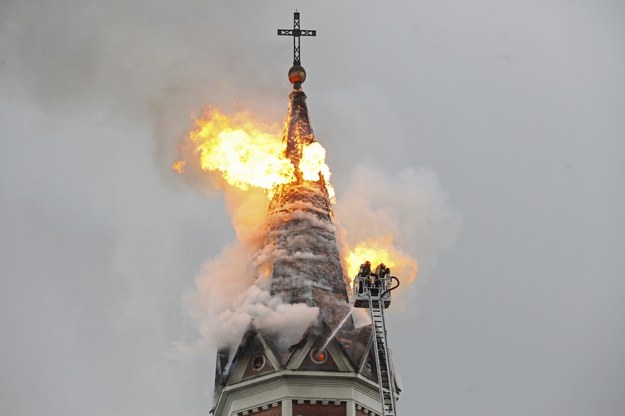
x=258, y=363
x=318, y=356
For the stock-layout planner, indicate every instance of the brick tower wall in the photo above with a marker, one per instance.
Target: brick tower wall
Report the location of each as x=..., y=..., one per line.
x=318, y=408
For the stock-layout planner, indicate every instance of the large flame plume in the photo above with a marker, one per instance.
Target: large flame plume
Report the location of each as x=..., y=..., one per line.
x=380, y=250
x=247, y=153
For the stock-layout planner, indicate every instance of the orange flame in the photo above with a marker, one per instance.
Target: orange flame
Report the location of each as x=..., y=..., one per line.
x=247, y=154
x=381, y=250
x=178, y=166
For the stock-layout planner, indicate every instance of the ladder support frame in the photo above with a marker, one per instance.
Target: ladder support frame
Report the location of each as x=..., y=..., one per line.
x=386, y=380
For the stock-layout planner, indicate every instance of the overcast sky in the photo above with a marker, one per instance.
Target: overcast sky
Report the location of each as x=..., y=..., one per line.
x=519, y=107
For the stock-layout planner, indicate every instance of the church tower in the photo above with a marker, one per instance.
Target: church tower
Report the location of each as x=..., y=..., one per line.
x=334, y=369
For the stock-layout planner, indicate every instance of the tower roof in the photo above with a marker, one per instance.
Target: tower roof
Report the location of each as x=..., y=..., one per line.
x=302, y=248
x=301, y=231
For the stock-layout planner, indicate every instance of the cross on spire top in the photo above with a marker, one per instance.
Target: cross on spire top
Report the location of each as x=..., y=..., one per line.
x=296, y=32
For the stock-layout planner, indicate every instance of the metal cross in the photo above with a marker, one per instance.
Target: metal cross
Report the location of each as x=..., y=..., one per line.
x=296, y=32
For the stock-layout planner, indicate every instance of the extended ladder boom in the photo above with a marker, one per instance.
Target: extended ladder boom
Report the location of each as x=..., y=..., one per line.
x=373, y=290
x=386, y=380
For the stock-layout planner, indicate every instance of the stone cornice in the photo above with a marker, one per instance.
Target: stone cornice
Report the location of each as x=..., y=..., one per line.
x=297, y=385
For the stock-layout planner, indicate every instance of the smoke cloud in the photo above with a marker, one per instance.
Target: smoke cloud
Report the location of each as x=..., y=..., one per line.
x=224, y=317
x=232, y=289
x=408, y=214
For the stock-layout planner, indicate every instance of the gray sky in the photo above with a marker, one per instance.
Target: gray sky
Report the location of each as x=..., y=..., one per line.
x=518, y=107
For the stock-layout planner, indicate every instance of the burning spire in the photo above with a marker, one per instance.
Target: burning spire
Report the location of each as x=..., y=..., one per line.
x=301, y=234
x=276, y=303
x=297, y=132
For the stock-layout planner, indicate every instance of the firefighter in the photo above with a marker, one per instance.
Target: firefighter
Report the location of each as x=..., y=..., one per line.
x=372, y=279
x=373, y=283
x=363, y=274
x=384, y=273
x=381, y=271
x=366, y=268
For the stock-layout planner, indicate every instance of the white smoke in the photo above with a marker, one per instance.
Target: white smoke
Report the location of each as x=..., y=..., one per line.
x=253, y=305
x=410, y=206
x=232, y=289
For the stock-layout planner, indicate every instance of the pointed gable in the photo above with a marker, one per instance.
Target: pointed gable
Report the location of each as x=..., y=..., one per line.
x=368, y=367
x=253, y=358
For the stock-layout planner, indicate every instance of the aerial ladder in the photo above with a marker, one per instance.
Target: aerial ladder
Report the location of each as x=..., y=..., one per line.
x=372, y=289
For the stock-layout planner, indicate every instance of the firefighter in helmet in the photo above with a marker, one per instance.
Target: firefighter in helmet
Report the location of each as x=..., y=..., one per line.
x=363, y=274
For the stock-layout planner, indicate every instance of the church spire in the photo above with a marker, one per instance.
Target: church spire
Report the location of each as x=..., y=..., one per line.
x=301, y=225
x=331, y=368
x=298, y=131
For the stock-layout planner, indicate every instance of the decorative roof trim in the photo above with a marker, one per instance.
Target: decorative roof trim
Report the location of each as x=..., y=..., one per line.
x=258, y=408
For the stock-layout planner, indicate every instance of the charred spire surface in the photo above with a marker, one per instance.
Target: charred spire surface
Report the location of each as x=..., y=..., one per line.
x=297, y=130
x=307, y=267
x=301, y=242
